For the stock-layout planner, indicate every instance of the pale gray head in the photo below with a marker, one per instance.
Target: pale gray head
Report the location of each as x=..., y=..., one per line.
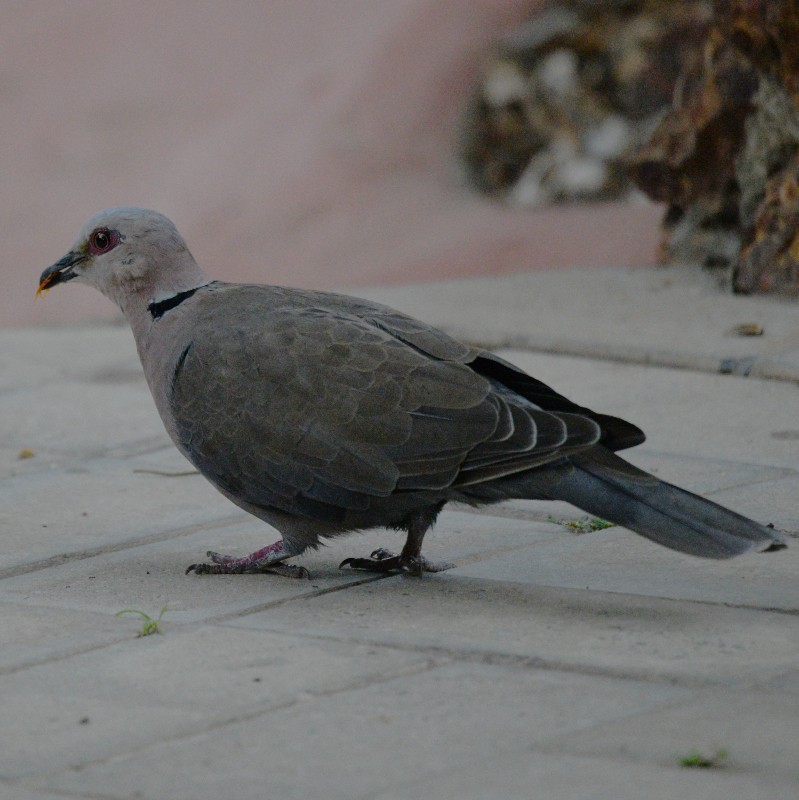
x=134, y=256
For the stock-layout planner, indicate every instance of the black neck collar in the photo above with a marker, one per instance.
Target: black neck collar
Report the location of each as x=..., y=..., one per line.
x=157, y=310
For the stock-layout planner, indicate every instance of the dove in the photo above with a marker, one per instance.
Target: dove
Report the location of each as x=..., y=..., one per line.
x=323, y=414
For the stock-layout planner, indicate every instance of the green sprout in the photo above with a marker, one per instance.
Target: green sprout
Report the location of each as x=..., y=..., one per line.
x=150, y=625
x=584, y=525
x=698, y=760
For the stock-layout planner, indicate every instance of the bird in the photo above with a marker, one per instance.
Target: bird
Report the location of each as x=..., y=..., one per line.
x=323, y=414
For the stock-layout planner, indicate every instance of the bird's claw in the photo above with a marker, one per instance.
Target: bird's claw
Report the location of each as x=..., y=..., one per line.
x=385, y=561
x=228, y=565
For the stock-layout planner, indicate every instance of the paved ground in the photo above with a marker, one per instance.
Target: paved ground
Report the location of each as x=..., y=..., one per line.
x=548, y=664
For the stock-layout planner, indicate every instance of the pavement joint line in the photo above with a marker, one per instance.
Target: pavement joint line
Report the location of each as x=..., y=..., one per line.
x=128, y=544
x=145, y=447
x=556, y=747
x=788, y=612
x=759, y=366
x=559, y=746
x=747, y=484
x=436, y=658
x=517, y=661
x=366, y=579
x=257, y=609
x=25, y=783
x=460, y=655
x=637, y=714
x=62, y=655
x=463, y=562
x=362, y=682
x=646, y=449
x=196, y=623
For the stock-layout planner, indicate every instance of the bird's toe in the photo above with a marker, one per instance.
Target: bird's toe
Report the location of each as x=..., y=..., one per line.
x=385, y=561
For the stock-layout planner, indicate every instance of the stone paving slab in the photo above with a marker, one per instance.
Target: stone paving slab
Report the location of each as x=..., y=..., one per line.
x=97, y=504
x=706, y=476
x=446, y=714
x=756, y=727
x=14, y=791
x=126, y=696
x=675, y=316
x=34, y=635
x=499, y=675
x=771, y=501
x=36, y=357
x=149, y=576
x=128, y=416
x=615, y=560
x=685, y=413
x=574, y=629
x=521, y=776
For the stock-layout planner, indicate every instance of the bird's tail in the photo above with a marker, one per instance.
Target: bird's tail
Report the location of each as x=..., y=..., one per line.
x=609, y=487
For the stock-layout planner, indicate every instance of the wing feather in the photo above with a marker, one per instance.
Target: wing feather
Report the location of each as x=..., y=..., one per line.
x=318, y=404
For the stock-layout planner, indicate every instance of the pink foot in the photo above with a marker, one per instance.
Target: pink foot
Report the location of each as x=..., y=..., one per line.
x=266, y=560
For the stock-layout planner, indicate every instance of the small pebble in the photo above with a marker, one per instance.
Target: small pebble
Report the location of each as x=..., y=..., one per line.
x=748, y=329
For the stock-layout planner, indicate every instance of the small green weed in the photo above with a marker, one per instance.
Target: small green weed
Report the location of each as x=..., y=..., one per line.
x=150, y=625
x=698, y=760
x=584, y=525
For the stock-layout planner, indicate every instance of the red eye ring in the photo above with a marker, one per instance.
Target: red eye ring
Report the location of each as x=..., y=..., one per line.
x=102, y=240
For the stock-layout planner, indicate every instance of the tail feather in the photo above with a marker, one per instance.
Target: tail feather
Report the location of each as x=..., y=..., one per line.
x=606, y=485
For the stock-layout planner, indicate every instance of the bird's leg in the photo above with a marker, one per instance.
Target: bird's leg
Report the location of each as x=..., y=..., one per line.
x=267, y=559
x=410, y=560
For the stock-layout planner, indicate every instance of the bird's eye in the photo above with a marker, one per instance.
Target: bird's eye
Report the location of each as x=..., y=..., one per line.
x=102, y=240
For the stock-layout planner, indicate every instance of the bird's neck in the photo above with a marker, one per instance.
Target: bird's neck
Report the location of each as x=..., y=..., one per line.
x=143, y=309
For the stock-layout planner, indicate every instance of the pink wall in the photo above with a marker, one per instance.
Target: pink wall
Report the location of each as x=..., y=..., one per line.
x=293, y=141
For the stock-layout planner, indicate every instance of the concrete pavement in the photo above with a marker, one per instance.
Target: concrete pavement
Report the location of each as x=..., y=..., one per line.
x=548, y=664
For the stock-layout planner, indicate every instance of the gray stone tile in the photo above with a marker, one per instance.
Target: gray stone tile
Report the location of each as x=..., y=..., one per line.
x=129, y=695
x=366, y=740
x=581, y=666
x=97, y=504
x=79, y=419
x=32, y=635
x=152, y=575
x=13, y=790
x=35, y=357
x=685, y=413
x=757, y=728
x=675, y=315
x=703, y=475
x=569, y=629
x=616, y=560
x=520, y=776
x=773, y=501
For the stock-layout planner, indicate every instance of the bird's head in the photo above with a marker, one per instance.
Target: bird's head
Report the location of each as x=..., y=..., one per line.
x=126, y=253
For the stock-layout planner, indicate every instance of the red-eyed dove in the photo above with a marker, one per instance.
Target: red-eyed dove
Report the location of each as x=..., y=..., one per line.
x=323, y=414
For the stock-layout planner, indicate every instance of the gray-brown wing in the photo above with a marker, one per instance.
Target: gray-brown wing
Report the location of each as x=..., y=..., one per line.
x=616, y=434
x=316, y=412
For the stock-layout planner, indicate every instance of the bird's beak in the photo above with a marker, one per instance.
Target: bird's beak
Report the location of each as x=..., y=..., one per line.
x=62, y=271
